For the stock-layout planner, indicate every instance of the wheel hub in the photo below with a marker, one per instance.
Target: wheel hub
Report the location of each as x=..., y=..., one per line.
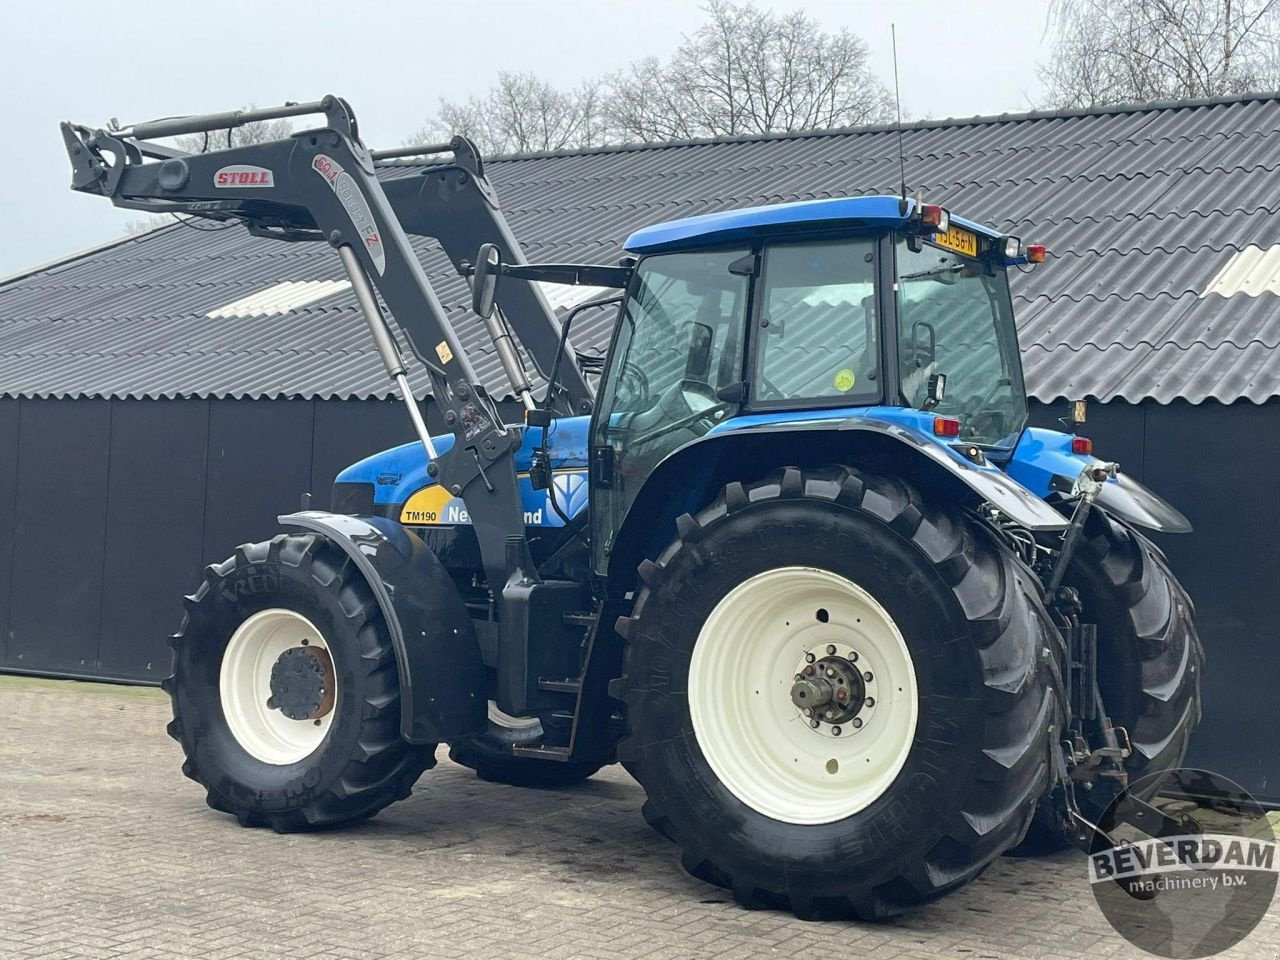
x=302, y=683
x=831, y=691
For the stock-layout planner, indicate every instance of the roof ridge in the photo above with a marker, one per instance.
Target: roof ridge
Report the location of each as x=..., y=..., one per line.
x=1150, y=106
x=82, y=254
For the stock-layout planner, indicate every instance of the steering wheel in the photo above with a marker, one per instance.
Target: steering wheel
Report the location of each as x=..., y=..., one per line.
x=681, y=393
x=632, y=376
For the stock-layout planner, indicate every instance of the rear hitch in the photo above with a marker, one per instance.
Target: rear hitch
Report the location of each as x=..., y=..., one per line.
x=1091, y=769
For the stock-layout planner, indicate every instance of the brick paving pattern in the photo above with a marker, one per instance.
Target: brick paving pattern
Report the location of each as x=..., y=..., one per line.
x=106, y=851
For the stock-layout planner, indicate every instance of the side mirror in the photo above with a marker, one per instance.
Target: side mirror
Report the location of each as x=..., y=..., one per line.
x=935, y=390
x=484, y=281
x=923, y=352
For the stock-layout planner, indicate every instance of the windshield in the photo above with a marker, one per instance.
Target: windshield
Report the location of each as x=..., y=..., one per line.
x=955, y=318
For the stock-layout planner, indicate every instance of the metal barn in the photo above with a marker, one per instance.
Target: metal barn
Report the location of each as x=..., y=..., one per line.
x=162, y=398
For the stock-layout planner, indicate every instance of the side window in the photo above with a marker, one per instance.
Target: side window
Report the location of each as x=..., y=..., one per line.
x=817, y=325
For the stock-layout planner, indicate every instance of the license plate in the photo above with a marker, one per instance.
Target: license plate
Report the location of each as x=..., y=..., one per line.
x=959, y=240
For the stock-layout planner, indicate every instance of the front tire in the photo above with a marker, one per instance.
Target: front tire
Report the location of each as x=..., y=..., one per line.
x=285, y=691
x=963, y=679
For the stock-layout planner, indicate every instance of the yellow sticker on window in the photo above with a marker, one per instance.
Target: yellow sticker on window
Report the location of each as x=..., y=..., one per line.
x=845, y=380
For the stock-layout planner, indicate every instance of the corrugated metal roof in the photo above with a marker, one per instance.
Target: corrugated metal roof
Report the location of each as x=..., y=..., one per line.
x=1160, y=218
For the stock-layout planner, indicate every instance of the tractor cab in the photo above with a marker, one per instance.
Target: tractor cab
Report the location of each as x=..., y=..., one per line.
x=867, y=306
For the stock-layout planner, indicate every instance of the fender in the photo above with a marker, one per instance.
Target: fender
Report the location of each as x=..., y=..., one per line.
x=441, y=674
x=1129, y=500
x=903, y=425
x=1044, y=463
x=686, y=479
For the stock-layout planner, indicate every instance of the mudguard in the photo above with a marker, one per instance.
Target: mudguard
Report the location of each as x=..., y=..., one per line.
x=442, y=680
x=1129, y=500
x=991, y=484
x=747, y=446
x=907, y=427
x=1044, y=463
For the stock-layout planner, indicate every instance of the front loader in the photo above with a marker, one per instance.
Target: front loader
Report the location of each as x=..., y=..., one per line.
x=796, y=560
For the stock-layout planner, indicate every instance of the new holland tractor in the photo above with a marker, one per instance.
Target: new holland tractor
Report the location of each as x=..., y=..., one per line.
x=794, y=558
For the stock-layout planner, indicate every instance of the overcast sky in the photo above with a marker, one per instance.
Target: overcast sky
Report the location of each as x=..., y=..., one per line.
x=85, y=61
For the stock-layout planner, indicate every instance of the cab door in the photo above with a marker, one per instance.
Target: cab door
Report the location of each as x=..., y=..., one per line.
x=676, y=354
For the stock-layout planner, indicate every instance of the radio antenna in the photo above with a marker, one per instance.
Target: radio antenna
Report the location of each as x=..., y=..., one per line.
x=897, y=97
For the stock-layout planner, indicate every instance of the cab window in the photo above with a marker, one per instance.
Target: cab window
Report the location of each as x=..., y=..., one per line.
x=816, y=328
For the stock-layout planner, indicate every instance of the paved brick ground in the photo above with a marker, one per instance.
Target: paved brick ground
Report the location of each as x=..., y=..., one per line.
x=106, y=851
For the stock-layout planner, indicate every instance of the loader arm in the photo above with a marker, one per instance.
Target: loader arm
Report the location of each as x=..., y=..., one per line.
x=455, y=204
x=319, y=184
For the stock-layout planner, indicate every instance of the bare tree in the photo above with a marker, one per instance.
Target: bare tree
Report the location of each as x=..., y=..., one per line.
x=522, y=114
x=1112, y=51
x=746, y=71
x=137, y=226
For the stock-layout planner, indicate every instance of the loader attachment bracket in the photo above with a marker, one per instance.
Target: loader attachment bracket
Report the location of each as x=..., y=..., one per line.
x=442, y=691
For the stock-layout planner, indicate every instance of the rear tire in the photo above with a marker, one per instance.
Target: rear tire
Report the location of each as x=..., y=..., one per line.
x=1146, y=638
x=359, y=764
x=1150, y=662
x=489, y=755
x=981, y=654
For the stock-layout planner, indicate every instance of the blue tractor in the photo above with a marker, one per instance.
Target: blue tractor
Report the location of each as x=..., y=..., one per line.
x=796, y=559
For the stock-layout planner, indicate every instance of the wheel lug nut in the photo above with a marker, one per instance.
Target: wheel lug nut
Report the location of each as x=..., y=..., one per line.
x=831, y=649
x=870, y=701
x=271, y=703
x=867, y=676
x=853, y=656
x=808, y=712
x=835, y=731
x=809, y=658
x=809, y=670
x=831, y=714
x=814, y=724
x=842, y=694
x=857, y=723
x=830, y=672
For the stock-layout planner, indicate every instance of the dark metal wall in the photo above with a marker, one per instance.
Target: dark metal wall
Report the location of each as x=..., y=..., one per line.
x=1221, y=466
x=109, y=510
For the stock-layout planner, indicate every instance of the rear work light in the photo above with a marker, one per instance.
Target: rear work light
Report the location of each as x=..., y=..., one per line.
x=1082, y=445
x=932, y=215
x=946, y=427
x=1012, y=248
x=1036, y=253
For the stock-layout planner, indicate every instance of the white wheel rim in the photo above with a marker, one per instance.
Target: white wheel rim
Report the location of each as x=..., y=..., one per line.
x=244, y=685
x=756, y=740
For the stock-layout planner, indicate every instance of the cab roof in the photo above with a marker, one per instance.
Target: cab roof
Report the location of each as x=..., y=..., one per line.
x=854, y=213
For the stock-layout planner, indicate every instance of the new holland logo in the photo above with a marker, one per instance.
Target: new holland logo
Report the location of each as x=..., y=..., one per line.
x=243, y=175
x=357, y=207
